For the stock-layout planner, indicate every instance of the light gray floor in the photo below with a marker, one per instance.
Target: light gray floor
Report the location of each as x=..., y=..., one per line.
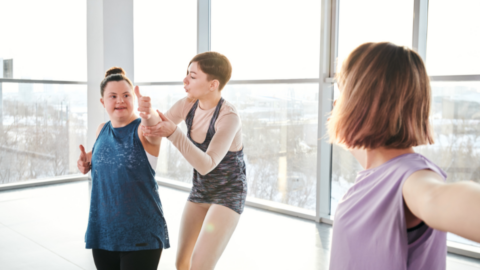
x=43, y=228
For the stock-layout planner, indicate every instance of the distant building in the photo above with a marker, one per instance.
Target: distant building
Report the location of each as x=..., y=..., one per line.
x=7, y=72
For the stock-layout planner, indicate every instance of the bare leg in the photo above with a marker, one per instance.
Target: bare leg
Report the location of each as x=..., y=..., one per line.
x=218, y=226
x=191, y=224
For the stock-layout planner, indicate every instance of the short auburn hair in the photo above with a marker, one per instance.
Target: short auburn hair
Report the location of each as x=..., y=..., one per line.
x=384, y=101
x=215, y=65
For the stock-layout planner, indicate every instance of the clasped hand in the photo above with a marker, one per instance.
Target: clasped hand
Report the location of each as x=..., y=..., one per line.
x=165, y=128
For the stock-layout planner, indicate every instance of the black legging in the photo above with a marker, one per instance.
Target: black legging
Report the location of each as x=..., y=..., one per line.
x=118, y=260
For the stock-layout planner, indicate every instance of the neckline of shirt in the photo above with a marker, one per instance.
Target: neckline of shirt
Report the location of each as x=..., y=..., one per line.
x=120, y=128
x=206, y=111
x=371, y=170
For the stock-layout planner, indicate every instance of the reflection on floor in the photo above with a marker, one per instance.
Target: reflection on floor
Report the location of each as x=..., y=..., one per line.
x=44, y=227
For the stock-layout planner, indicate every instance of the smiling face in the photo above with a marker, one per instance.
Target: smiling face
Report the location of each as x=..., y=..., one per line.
x=197, y=84
x=118, y=100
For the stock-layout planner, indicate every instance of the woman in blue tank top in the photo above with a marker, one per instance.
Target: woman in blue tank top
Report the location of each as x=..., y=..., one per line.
x=126, y=225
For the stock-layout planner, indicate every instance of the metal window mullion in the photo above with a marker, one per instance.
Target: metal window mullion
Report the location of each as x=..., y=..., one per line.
x=109, y=43
x=420, y=27
x=203, y=26
x=40, y=81
x=328, y=25
x=235, y=82
x=334, y=29
x=455, y=78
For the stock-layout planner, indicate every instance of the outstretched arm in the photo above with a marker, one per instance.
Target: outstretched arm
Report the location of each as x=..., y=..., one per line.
x=203, y=162
x=451, y=207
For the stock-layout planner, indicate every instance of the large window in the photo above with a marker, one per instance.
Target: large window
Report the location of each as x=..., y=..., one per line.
x=279, y=120
x=452, y=49
x=42, y=126
x=42, y=123
x=456, y=123
x=279, y=125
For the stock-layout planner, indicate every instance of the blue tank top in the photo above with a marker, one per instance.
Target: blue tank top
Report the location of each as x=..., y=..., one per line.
x=125, y=209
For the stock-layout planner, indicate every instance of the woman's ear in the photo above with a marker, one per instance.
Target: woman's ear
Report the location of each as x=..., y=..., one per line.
x=214, y=84
x=101, y=101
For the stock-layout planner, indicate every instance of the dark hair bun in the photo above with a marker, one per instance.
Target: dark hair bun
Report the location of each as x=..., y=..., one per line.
x=115, y=70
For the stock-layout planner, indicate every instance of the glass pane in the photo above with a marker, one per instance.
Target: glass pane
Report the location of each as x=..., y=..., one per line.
x=279, y=124
x=456, y=122
x=46, y=40
x=453, y=39
x=165, y=36
x=41, y=128
x=268, y=39
x=344, y=170
x=171, y=164
x=373, y=21
x=455, y=119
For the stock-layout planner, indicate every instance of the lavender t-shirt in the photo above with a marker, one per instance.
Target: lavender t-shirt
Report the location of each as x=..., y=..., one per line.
x=370, y=232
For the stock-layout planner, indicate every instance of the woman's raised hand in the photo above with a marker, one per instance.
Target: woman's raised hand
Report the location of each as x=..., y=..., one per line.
x=144, y=104
x=162, y=129
x=83, y=162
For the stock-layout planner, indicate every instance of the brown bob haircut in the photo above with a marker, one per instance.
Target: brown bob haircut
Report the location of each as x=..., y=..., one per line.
x=114, y=74
x=385, y=99
x=215, y=65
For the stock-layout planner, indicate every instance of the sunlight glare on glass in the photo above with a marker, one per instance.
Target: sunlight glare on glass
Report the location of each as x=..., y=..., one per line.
x=165, y=39
x=453, y=37
x=268, y=39
x=45, y=39
x=373, y=21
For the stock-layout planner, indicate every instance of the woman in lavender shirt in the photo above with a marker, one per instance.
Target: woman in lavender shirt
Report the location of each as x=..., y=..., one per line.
x=397, y=213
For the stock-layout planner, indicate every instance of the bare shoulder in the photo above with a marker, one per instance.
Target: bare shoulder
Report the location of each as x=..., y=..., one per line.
x=100, y=128
x=419, y=192
x=425, y=176
x=420, y=185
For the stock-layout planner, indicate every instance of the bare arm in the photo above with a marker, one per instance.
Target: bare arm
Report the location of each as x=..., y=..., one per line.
x=447, y=207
